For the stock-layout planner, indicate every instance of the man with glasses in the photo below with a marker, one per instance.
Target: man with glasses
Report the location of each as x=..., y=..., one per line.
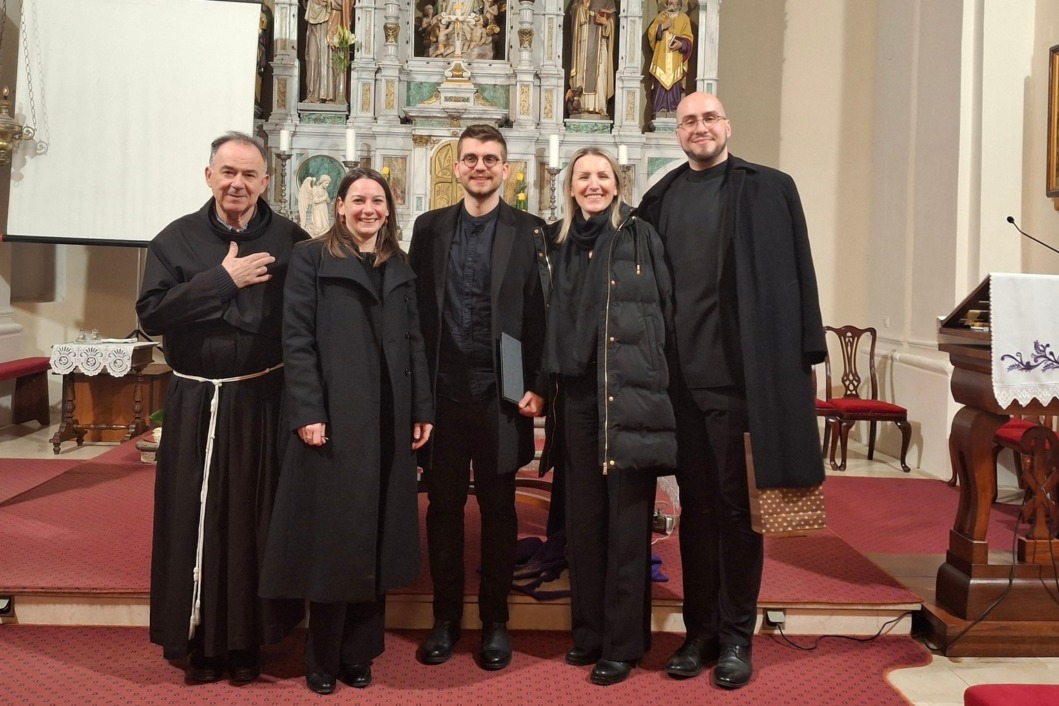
x=748, y=330
x=478, y=278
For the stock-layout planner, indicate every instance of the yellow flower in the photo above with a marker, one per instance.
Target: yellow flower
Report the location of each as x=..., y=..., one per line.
x=520, y=177
x=522, y=196
x=386, y=172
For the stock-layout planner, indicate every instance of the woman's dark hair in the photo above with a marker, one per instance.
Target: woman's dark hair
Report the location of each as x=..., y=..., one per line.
x=340, y=242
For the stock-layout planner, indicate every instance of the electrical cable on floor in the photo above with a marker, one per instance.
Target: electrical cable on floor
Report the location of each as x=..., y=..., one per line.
x=1011, y=583
x=853, y=638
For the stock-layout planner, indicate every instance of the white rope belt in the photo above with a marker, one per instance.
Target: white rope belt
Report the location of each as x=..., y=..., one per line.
x=196, y=595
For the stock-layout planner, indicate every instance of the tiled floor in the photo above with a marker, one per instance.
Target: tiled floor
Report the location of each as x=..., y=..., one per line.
x=941, y=683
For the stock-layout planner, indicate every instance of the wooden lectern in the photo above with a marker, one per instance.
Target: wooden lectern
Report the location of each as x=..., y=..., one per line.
x=1025, y=621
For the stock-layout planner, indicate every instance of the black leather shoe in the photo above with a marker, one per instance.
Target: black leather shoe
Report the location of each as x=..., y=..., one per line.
x=244, y=666
x=437, y=647
x=733, y=668
x=690, y=658
x=356, y=675
x=204, y=670
x=496, y=647
x=607, y=672
x=580, y=657
x=320, y=683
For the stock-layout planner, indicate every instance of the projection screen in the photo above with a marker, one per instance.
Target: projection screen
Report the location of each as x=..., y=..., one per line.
x=128, y=95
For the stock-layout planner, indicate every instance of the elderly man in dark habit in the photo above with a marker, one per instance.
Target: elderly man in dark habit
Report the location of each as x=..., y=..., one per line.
x=213, y=287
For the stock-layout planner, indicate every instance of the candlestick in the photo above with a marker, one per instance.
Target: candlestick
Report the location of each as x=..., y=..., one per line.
x=623, y=155
x=284, y=140
x=351, y=144
x=553, y=172
x=281, y=183
x=553, y=152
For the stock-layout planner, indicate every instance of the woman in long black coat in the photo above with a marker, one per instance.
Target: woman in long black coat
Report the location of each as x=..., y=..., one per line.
x=345, y=526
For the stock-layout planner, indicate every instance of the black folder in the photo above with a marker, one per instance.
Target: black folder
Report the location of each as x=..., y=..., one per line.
x=512, y=378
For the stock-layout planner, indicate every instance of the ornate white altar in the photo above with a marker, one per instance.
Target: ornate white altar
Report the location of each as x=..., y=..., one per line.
x=408, y=107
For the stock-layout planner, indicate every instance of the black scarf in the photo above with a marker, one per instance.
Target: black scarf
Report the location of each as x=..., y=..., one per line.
x=577, y=292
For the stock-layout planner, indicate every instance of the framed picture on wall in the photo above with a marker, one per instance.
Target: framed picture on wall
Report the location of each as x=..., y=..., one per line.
x=1052, y=189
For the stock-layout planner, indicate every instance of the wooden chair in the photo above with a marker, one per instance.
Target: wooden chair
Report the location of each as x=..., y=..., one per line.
x=855, y=406
x=1013, y=436
x=825, y=409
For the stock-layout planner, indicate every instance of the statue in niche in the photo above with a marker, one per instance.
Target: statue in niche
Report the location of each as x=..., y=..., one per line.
x=264, y=51
x=592, y=67
x=671, y=39
x=325, y=69
x=314, y=205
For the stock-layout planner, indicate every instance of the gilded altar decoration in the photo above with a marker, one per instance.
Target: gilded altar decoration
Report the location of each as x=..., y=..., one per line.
x=365, y=98
x=548, y=104
x=523, y=100
x=521, y=199
x=390, y=31
x=391, y=95
x=525, y=38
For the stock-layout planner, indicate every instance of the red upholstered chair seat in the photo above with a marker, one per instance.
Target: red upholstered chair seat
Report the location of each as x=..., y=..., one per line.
x=1010, y=435
x=863, y=408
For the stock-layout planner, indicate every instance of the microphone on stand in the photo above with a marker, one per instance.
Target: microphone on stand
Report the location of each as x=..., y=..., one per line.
x=1011, y=220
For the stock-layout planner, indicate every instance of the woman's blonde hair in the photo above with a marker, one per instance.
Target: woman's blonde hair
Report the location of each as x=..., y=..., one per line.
x=571, y=206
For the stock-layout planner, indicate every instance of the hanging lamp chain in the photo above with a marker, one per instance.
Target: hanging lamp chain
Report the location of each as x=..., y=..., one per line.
x=42, y=135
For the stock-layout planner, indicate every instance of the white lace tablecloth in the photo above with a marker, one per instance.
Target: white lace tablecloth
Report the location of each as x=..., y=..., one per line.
x=110, y=355
x=1025, y=333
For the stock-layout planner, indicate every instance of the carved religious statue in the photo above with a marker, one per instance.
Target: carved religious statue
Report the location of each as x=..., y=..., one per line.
x=671, y=40
x=592, y=66
x=465, y=27
x=325, y=68
x=314, y=205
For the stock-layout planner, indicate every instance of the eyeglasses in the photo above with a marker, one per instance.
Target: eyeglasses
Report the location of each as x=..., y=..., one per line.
x=691, y=122
x=471, y=160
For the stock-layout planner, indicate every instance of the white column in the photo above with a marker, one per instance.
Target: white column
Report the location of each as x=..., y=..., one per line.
x=708, y=45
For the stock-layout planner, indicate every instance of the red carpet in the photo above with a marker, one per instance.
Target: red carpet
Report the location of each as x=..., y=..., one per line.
x=89, y=529
x=96, y=666
x=904, y=515
x=19, y=475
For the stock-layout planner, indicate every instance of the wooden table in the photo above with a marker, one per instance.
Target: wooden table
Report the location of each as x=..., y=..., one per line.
x=71, y=428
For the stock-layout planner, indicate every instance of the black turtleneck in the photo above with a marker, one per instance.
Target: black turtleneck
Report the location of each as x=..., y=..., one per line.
x=698, y=245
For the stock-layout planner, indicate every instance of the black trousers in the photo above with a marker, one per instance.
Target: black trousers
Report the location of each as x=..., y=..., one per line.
x=608, y=537
x=465, y=437
x=344, y=634
x=721, y=555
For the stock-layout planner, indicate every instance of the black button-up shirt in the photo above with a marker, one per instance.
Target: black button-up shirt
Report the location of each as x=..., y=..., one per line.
x=465, y=367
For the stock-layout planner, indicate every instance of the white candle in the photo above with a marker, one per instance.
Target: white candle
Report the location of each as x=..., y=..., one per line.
x=623, y=155
x=553, y=152
x=284, y=140
x=351, y=144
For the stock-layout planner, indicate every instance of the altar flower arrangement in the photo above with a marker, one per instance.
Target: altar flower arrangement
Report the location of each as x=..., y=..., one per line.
x=343, y=42
x=386, y=173
x=521, y=199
